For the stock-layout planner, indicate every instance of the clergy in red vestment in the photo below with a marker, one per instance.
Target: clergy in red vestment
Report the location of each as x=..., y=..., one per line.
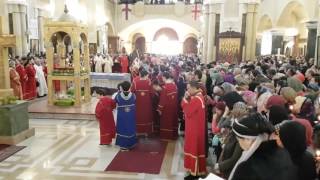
x=104, y=115
x=142, y=88
x=15, y=80
x=23, y=77
x=168, y=108
x=124, y=63
x=193, y=106
x=31, y=87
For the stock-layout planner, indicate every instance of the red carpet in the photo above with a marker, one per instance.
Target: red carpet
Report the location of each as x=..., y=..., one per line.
x=146, y=157
x=8, y=150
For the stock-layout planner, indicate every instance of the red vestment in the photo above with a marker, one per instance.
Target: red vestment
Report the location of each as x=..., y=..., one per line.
x=106, y=122
x=168, y=107
x=23, y=78
x=194, y=143
x=45, y=71
x=56, y=82
x=144, y=118
x=15, y=83
x=124, y=63
x=31, y=88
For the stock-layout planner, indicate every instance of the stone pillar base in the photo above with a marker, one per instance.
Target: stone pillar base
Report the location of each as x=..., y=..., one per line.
x=6, y=92
x=12, y=140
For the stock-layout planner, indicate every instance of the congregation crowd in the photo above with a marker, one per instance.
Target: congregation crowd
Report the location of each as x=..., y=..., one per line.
x=259, y=117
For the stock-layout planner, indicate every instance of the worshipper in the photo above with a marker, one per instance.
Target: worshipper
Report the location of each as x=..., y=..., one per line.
x=42, y=88
x=104, y=115
x=15, y=83
x=261, y=158
x=291, y=137
x=98, y=61
x=194, y=109
x=168, y=108
x=23, y=77
x=142, y=88
x=31, y=85
x=126, y=119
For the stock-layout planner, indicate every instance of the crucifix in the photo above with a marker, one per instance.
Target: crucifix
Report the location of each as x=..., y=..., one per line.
x=6, y=41
x=196, y=11
x=126, y=10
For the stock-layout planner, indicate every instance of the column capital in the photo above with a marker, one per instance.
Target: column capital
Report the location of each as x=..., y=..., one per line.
x=312, y=24
x=16, y=7
x=252, y=7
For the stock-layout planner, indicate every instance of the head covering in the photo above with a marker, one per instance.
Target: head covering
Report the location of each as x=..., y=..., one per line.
x=229, y=77
x=289, y=94
x=254, y=127
x=293, y=138
x=300, y=77
x=262, y=101
x=216, y=78
x=249, y=97
x=277, y=114
x=220, y=105
x=227, y=87
x=295, y=84
x=275, y=100
x=239, y=110
x=231, y=98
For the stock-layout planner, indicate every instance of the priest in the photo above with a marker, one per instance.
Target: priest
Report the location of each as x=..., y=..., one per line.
x=168, y=108
x=31, y=87
x=142, y=88
x=42, y=88
x=193, y=106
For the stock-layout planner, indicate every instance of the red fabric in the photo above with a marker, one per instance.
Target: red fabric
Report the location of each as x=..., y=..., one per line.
x=309, y=129
x=23, y=78
x=15, y=83
x=214, y=125
x=124, y=64
x=56, y=83
x=146, y=157
x=104, y=115
x=160, y=79
x=194, y=143
x=168, y=107
x=144, y=118
x=45, y=71
x=31, y=88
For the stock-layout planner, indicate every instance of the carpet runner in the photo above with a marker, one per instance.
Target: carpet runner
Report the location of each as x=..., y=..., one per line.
x=8, y=150
x=146, y=157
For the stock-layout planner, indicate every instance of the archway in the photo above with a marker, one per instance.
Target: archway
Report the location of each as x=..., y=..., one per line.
x=166, y=41
x=265, y=23
x=190, y=46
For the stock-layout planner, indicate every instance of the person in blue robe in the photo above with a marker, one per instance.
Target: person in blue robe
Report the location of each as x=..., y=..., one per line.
x=126, y=119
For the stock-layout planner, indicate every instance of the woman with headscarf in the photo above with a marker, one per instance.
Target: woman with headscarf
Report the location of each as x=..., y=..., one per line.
x=261, y=158
x=291, y=137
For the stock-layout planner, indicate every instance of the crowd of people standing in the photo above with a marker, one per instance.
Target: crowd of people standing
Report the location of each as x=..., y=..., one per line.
x=259, y=117
x=28, y=77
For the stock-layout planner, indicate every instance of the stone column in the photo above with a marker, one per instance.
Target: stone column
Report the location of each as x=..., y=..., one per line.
x=106, y=40
x=41, y=19
x=211, y=33
x=19, y=12
x=251, y=30
x=205, y=33
x=312, y=39
x=277, y=41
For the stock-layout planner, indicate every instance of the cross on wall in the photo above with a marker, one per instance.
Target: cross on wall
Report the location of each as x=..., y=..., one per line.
x=126, y=9
x=196, y=11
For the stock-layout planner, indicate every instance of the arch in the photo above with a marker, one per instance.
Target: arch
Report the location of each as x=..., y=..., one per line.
x=111, y=31
x=190, y=35
x=265, y=23
x=169, y=32
x=190, y=45
x=292, y=14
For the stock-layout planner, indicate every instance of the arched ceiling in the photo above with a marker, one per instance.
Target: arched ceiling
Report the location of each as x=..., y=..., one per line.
x=265, y=23
x=293, y=14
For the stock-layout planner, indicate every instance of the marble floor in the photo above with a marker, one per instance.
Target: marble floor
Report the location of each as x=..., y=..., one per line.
x=68, y=149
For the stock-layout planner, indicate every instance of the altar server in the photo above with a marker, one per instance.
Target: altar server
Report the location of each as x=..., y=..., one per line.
x=104, y=114
x=142, y=88
x=42, y=88
x=31, y=87
x=193, y=106
x=126, y=120
x=168, y=108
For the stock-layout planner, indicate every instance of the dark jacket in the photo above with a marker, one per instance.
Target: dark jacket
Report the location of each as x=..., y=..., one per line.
x=269, y=162
x=306, y=165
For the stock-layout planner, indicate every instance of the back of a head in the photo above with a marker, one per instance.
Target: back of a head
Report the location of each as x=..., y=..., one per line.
x=231, y=98
x=278, y=114
x=194, y=84
x=143, y=72
x=198, y=73
x=253, y=125
x=125, y=87
x=293, y=137
x=167, y=75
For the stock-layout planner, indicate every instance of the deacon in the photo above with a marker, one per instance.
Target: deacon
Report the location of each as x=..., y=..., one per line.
x=142, y=88
x=193, y=106
x=15, y=83
x=22, y=74
x=126, y=120
x=31, y=87
x=168, y=108
x=124, y=61
x=104, y=115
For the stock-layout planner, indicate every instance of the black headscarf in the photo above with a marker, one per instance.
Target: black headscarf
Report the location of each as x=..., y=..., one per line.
x=231, y=98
